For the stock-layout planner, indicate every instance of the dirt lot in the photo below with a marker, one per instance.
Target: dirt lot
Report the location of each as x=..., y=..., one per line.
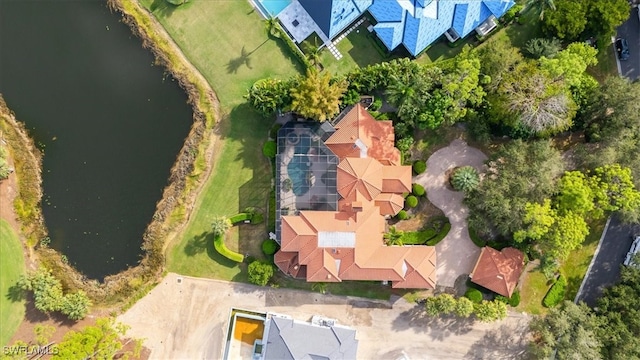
x=188, y=320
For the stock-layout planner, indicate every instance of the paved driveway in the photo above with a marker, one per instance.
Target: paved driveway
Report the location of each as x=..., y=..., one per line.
x=605, y=270
x=630, y=30
x=188, y=320
x=457, y=254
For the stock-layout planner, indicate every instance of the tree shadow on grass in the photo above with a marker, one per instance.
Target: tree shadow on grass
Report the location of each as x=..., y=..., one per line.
x=204, y=242
x=438, y=328
x=15, y=293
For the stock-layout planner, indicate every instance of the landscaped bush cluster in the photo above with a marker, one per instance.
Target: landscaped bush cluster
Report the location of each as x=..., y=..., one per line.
x=402, y=215
x=269, y=247
x=418, y=190
x=430, y=235
x=419, y=166
x=474, y=295
x=411, y=201
x=556, y=293
x=48, y=295
x=260, y=273
x=514, y=301
x=270, y=149
x=446, y=304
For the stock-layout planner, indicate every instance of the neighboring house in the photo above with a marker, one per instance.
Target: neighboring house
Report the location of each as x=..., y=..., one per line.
x=415, y=24
x=336, y=184
x=286, y=339
x=498, y=271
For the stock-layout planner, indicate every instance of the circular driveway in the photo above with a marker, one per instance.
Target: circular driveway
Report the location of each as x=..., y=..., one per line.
x=456, y=253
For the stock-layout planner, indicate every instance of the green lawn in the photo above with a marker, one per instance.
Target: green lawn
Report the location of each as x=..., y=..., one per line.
x=11, y=268
x=576, y=265
x=442, y=50
x=227, y=42
x=358, y=49
x=535, y=285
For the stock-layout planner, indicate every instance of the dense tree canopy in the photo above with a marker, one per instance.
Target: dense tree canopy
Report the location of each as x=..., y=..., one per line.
x=568, y=20
x=260, y=273
x=570, y=331
x=518, y=173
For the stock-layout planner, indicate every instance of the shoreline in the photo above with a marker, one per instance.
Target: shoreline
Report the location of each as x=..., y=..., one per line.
x=187, y=175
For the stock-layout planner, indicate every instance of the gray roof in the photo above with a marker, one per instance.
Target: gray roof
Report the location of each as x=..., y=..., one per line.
x=294, y=340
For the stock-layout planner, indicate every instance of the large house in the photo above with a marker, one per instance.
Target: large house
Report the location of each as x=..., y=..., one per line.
x=336, y=185
x=414, y=24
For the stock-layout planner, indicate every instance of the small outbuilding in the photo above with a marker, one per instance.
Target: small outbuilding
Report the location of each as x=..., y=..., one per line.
x=498, y=271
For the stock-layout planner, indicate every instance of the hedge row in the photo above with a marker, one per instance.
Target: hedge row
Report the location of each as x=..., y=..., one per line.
x=240, y=218
x=249, y=214
x=556, y=293
x=221, y=248
x=294, y=49
x=441, y=235
x=475, y=238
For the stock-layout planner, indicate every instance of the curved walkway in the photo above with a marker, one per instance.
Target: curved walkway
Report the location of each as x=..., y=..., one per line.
x=457, y=254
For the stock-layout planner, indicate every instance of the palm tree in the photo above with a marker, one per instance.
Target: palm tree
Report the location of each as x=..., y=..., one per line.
x=394, y=237
x=540, y=6
x=465, y=179
x=271, y=25
x=400, y=91
x=220, y=225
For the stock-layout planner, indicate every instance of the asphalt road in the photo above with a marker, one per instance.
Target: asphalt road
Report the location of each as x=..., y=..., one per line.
x=606, y=267
x=630, y=30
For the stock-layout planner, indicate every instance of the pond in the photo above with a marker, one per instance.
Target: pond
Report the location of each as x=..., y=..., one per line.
x=110, y=123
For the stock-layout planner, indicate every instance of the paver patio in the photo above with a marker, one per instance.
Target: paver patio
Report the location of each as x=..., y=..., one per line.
x=457, y=254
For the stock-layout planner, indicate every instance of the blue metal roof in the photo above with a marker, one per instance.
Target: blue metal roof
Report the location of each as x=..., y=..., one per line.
x=420, y=30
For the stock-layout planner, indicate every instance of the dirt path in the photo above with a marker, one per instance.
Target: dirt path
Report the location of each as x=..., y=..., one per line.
x=188, y=320
x=456, y=253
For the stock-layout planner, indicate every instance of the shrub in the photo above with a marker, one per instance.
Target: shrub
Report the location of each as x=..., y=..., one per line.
x=411, y=201
x=446, y=303
x=512, y=13
x=270, y=149
x=418, y=190
x=376, y=105
x=260, y=273
x=351, y=97
x=539, y=47
x=464, y=307
x=269, y=247
x=221, y=248
x=76, y=305
x=487, y=311
x=402, y=215
x=419, y=167
x=441, y=235
x=238, y=218
x=474, y=295
x=514, y=301
x=465, y=179
x=475, y=238
x=556, y=293
x=431, y=306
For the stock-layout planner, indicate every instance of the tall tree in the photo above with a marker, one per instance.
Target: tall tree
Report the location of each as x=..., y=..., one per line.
x=570, y=65
x=568, y=20
x=540, y=6
x=317, y=96
x=518, y=173
x=571, y=332
x=614, y=190
x=604, y=16
x=620, y=317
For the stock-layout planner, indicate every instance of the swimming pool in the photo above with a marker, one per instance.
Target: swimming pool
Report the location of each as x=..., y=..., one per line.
x=273, y=7
x=298, y=170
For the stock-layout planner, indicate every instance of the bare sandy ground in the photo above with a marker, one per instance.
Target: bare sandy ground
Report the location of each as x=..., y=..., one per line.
x=188, y=320
x=457, y=254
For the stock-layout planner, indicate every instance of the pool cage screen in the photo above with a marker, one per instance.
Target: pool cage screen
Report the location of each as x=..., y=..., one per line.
x=306, y=171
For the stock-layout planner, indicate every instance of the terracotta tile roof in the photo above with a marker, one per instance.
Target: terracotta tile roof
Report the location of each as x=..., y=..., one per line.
x=396, y=179
x=377, y=136
x=348, y=244
x=363, y=175
x=498, y=271
x=389, y=204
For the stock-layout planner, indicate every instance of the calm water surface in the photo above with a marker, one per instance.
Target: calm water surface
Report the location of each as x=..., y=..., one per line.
x=110, y=123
